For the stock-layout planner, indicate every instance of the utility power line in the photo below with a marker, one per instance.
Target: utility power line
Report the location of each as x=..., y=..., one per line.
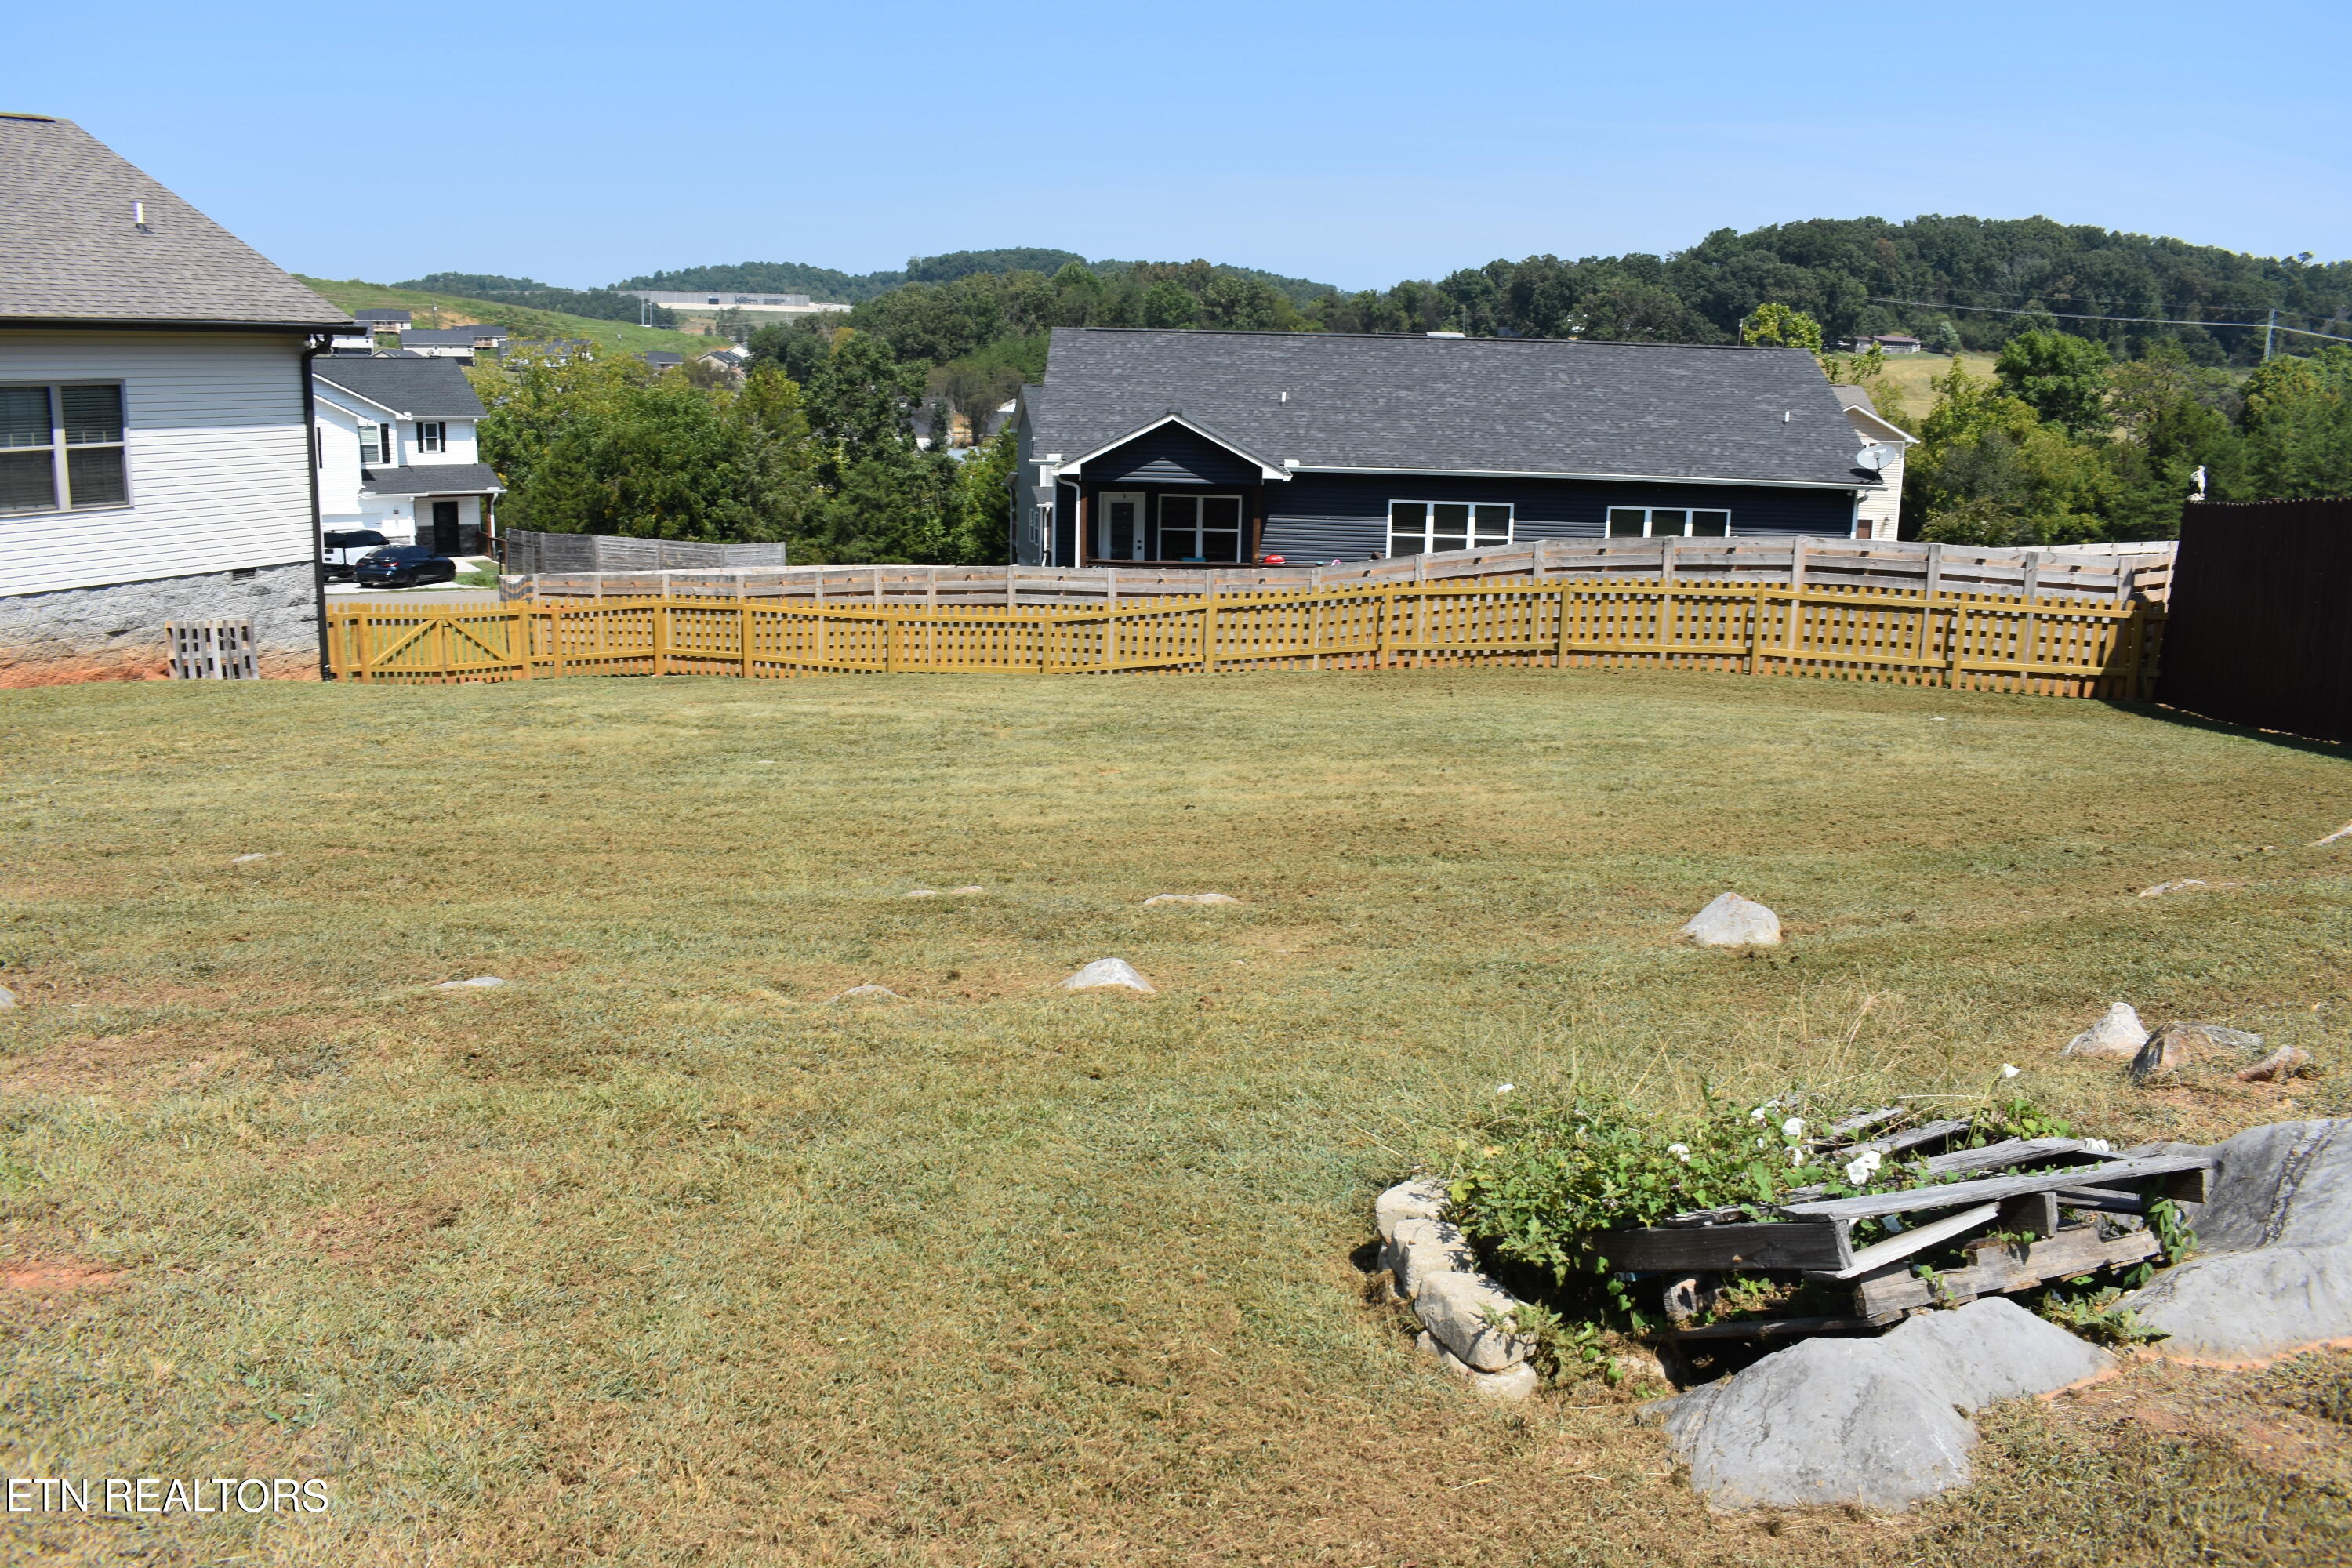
x=2270, y=326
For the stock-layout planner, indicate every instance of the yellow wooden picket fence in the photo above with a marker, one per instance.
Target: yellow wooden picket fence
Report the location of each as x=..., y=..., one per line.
x=2057, y=646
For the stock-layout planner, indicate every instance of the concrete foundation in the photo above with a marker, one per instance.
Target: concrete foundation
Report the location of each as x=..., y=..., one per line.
x=116, y=632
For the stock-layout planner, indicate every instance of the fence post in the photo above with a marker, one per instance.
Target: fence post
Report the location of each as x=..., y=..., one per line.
x=1208, y=629
x=2025, y=638
x=1560, y=655
x=1796, y=592
x=661, y=630
x=1666, y=600
x=890, y=633
x=743, y=630
x=518, y=633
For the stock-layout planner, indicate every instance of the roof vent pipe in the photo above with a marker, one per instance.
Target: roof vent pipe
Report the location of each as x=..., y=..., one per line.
x=139, y=214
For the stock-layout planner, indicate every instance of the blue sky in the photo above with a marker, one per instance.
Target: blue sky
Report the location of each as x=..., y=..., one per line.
x=1356, y=143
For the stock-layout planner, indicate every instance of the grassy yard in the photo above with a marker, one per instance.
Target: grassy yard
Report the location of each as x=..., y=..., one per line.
x=654, y=1256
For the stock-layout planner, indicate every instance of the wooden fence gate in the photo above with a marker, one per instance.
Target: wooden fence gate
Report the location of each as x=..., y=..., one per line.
x=1985, y=642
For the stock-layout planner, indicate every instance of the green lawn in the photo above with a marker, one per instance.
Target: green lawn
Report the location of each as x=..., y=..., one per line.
x=654, y=1257
x=456, y=309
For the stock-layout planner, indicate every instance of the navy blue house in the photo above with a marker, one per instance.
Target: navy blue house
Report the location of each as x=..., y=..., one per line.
x=1190, y=448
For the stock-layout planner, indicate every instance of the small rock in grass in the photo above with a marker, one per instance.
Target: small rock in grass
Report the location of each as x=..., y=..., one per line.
x=2175, y=1045
x=1734, y=921
x=868, y=993
x=934, y=893
x=1189, y=898
x=2284, y=1062
x=1422, y=1249
x=1422, y=1198
x=1454, y=1305
x=478, y=982
x=8, y=999
x=1511, y=1383
x=249, y=859
x=971, y=889
x=2182, y=886
x=924, y=893
x=2217, y=1035
x=1109, y=973
x=2118, y=1032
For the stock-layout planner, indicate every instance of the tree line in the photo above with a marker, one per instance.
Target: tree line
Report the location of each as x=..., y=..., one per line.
x=600, y=443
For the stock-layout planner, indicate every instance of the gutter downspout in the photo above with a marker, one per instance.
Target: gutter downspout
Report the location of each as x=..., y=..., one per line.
x=319, y=343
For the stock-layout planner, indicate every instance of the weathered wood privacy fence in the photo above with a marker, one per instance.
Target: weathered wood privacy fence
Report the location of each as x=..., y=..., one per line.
x=2060, y=647
x=2107, y=573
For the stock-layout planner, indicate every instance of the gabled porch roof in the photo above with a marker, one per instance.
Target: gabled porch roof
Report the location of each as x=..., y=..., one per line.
x=1075, y=467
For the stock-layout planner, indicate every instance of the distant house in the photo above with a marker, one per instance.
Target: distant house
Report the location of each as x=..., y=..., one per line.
x=382, y=319
x=712, y=300
x=1880, y=511
x=440, y=343
x=396, y=452
x=731, y=360
x=154, y=457
x=1195, y=447
x=662, y=359
x=1885, y=343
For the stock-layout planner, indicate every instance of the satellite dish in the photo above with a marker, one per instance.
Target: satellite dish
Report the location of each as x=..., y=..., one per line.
x=1878, y=456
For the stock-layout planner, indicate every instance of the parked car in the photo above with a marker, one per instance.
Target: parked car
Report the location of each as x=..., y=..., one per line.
x=403, y=567
x=340, y=551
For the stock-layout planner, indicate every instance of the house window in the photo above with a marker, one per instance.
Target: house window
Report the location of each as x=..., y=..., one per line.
x=1199, y=528
x=1416, y=526
x=431, y=436
x=373, y=443
x=1666, y=523
x=61, y=448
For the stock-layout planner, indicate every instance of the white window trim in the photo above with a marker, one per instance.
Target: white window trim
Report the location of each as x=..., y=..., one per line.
x=1472, y=540
x=60, y=476
x=439, y=439
x=1201, y=500
x=1649, y=517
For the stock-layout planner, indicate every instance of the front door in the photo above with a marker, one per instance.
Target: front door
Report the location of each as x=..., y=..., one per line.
x=445, y=528
x=1119, y=525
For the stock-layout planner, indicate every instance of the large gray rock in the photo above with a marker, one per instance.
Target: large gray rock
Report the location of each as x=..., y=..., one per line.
x=2273, y=1270
x=1877, y=1423
x=1453, y=1307
x=1422, y=1198
x=1420, y=1249
x=1734, y=921
x=2118, y=1032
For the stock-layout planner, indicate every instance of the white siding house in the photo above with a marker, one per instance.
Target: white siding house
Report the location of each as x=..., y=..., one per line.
x=156, y=462
x=397, y=451
x=1877, y=513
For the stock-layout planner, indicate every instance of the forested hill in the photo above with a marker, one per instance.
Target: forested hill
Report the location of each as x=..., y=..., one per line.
x=1869, y=275
x=1852, y=275
x=825, y=283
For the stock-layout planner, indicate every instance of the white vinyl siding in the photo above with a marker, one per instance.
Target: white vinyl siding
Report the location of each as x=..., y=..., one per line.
x=218, y=459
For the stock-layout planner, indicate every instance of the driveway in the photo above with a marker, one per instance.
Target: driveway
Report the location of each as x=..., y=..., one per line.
x=430, y=594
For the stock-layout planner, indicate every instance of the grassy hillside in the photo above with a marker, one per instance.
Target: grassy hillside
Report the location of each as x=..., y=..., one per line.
x=1910, y=374
x=456, y=310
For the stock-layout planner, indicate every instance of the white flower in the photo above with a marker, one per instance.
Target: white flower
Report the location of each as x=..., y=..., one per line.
x=1757, y=1114
x=2008, y=1071
x=1859, y=1172
x=1505, y=1088
x=2097, y=1146
x=1680, y=1152
x=1795, y=1156
x=1760, y=1142
x=1793, y=1127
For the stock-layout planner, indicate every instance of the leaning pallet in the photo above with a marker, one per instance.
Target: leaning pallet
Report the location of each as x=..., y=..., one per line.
x=2023, y=1213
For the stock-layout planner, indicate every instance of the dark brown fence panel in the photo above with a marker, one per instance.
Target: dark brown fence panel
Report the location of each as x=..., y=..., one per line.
x=2261, y=628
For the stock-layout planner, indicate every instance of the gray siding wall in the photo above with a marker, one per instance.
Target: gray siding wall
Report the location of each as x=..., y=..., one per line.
x=1171, y=455
x=1323, y=516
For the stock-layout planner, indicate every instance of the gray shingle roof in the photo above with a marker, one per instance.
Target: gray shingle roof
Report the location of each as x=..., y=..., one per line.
x=1855, y=397
x=431, y=479
x=410, y=386
x=437, y=337
x=69, y=251
x=1505, y=405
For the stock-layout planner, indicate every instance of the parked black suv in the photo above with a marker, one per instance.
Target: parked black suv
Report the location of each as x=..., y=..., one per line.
x=403, y=567
x=338, y=550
